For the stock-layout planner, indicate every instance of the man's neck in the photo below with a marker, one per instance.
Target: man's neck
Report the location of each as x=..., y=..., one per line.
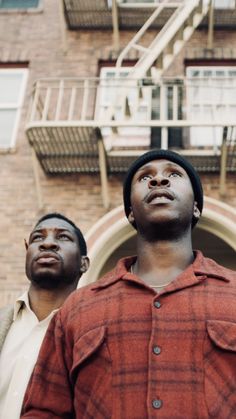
x=43, y=302
x=162, y=261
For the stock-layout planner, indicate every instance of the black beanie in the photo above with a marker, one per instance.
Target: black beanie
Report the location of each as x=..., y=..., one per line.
x=156, y=154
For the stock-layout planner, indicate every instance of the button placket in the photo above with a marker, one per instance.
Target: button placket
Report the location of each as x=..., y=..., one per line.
x=156, y=402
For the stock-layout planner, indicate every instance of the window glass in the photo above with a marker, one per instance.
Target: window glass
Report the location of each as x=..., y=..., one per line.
x=18, y=4
x=224, y=4
x=211, y=96
x=12, y=87
x=7, y=120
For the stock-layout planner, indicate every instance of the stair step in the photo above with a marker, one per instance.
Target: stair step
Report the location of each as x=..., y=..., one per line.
x=167, y=59
x=178, y=45
x=187, y=33
x=140, y=48
x=197, y=18
x=156, y=74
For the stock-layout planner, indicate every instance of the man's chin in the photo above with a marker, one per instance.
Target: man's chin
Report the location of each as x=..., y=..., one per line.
x=51, y=282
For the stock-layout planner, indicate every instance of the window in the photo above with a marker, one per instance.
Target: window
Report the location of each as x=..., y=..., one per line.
x=123, y=100
x=211, y=96
x=12, y=88
x=18, y=4
x=224, y=4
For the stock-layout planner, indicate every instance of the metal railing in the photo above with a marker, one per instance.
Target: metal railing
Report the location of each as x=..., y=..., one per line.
x=179, y=102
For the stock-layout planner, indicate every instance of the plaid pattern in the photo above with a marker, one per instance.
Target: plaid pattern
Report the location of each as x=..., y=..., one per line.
x=118, y=350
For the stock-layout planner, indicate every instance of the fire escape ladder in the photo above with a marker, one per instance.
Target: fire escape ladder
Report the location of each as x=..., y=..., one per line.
x=158, y=56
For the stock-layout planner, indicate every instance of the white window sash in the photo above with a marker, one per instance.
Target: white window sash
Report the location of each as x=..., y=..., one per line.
x=17, y=106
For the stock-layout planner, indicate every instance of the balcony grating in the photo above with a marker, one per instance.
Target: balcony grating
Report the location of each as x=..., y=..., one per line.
x=67, y=150
x=95, y=14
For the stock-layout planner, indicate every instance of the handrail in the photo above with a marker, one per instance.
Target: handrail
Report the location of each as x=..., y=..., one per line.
x=141, y=32
x=169, y=24
x=75, y=99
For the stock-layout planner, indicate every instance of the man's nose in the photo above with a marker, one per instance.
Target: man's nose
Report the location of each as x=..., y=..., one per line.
x=159, y=180
x=49, y=243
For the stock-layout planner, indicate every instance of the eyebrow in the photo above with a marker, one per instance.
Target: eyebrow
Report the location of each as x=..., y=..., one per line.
x=60, y=230
x=168, y=165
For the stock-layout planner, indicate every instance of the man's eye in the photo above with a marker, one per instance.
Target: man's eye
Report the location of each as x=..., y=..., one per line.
x=175, y=174
x=36, y=238
x=63, y=237
x=144, y=177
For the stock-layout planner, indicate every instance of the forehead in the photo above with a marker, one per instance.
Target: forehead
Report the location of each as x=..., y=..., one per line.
x=54, y=224
x=161, y=164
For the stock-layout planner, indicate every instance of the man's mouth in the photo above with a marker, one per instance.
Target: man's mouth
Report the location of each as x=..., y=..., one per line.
x=46, y=258
x=159, y=196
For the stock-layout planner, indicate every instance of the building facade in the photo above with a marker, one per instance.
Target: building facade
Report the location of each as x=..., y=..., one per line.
x=84, y=89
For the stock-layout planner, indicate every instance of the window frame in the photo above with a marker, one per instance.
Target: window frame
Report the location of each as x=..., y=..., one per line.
x=22, y=9
x=203, y=99
x=17, y=106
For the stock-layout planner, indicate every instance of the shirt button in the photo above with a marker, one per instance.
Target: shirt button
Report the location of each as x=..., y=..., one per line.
x=157, y=304
x=156, y=350
x=15, y=393
x=157, y=403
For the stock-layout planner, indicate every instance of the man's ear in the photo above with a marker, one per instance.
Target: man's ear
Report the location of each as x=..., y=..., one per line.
x=196, y=212
x=131, y=216
x=26, y=245
x=85, y=262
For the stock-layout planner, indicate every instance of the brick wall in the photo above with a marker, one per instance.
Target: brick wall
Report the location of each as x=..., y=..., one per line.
x=38, y=39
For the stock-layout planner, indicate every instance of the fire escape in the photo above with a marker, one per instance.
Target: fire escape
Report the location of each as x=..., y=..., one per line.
x=99, y=125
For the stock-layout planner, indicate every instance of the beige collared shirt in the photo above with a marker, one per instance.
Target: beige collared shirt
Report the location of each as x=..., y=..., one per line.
x=18, y=356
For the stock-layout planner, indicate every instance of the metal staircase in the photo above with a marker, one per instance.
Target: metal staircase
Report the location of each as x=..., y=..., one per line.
x=169, y=41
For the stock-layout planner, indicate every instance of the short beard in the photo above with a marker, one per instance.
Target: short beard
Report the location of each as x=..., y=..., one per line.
x=50, y=281
x=165, y=231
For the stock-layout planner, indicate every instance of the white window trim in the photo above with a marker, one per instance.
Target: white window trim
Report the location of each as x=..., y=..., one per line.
x=16, y=106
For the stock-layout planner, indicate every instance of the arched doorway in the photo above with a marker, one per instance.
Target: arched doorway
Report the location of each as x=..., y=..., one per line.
x=112, y=237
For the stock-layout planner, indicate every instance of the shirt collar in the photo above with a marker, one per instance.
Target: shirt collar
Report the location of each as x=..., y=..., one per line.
x=199, y=270
x=23, y=302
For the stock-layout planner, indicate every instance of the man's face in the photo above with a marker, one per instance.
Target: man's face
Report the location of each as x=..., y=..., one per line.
x=161, y=193
x=53, y=257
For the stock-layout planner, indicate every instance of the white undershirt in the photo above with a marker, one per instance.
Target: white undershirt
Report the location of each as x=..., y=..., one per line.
x=19, y=355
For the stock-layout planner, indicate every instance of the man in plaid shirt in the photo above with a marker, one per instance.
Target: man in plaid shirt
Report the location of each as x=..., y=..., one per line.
x=155, y=337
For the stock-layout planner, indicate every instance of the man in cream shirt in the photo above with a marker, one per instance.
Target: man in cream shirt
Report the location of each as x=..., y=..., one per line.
x=56, y=257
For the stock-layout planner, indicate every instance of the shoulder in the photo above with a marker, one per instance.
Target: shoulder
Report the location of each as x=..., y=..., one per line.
x=212, y=268
x=6, y=319
x=88, y=292
x=92, y=304
x=6, y=312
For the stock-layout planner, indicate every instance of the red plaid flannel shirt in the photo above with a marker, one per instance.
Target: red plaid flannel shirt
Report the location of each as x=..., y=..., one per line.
x=118, y=350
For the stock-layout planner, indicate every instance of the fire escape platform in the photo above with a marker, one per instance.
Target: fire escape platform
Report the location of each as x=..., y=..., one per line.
x=91, y=14
x=75, y=149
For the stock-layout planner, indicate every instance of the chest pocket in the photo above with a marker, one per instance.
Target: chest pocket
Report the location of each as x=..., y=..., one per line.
x=87, y=346
x=220, y=369
x=91, y=375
